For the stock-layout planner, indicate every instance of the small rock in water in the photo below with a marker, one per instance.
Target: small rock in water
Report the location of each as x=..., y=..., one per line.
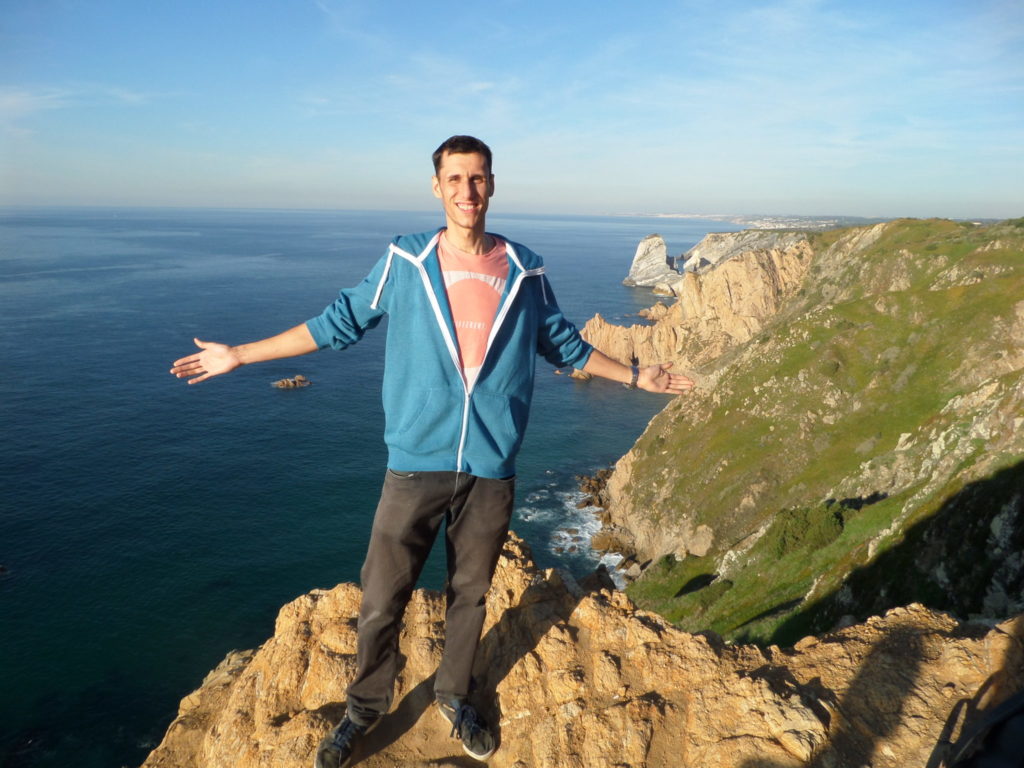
x=293, y=383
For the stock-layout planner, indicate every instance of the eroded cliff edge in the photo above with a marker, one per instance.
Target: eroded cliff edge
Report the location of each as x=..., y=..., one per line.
x=855, y=442
x=582, y=679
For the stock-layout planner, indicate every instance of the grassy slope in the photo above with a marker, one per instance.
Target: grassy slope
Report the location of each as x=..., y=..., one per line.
x=810, y=416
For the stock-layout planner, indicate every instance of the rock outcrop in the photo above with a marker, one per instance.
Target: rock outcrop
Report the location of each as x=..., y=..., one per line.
x=577, y=677
x=716, y=309
x=296, y=382
x=642, y=343
x=651, y=264
x=717, y=247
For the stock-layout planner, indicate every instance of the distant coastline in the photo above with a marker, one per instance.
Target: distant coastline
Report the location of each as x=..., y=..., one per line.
x=767, y=222
x=764, y=221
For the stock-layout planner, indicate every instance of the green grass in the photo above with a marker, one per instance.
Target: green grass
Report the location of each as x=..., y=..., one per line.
x=900, y=356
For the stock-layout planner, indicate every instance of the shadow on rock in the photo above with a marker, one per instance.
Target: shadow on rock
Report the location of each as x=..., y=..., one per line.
x=547, y=602
x=977, y=719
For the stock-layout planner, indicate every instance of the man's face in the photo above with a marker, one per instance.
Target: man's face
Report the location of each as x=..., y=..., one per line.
x=464, y=184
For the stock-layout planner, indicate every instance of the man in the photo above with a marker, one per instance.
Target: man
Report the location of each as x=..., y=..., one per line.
x=468, y=314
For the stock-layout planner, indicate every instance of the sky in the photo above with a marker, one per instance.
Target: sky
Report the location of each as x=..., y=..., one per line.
x=801, y=107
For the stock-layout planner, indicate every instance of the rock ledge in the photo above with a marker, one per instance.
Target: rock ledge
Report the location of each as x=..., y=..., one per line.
x=579, y=677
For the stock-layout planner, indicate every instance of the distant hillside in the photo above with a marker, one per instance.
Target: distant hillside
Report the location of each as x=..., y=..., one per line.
x=857, y=439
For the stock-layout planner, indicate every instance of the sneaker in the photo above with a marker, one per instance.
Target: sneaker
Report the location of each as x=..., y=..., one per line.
x=468, y=727
x=337, y=747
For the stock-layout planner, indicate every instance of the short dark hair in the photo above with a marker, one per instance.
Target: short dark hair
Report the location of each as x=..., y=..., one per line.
x=461, y=145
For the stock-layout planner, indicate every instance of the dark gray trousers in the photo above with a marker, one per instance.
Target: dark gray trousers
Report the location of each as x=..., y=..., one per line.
x=476, y=512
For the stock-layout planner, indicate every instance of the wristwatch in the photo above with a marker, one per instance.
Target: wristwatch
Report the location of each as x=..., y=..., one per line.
x=636, y=375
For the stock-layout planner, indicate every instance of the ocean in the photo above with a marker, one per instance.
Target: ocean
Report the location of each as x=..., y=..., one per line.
x=147, y=527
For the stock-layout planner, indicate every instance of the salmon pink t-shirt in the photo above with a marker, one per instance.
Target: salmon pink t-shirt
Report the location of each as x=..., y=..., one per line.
x=475, y=283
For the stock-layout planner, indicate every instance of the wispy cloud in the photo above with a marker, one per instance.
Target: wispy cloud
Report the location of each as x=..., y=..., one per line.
x=19, y=104
x=352, y=19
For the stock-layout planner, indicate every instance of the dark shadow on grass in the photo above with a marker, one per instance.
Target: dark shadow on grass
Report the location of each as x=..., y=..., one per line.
x=775, y=610
x=696, y=583
x=857, y=504
x=948, y=562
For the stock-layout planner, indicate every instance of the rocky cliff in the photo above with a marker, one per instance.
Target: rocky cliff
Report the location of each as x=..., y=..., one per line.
x=719, y=247
x=717, y=308
x=855, y=440
x=577, y=677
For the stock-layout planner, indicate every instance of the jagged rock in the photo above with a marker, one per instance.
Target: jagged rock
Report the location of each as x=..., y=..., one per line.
x=735, y=299
x=577, y=677
x=641, y=344
x=663, y=289
x=715, y=310
x=651, y=264
x=717, y=247
x=613, y=539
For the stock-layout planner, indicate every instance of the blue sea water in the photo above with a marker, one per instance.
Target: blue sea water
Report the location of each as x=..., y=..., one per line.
x=148, y=527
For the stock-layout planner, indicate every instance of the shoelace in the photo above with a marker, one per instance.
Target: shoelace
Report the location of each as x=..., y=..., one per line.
x=344, y=734
x=465, y=717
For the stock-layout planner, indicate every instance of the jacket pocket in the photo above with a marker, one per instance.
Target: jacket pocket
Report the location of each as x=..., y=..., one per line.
x=432, y=425
x=498, y=424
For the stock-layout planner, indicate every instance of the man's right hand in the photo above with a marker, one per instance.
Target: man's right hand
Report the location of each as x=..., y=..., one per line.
x=213, y=360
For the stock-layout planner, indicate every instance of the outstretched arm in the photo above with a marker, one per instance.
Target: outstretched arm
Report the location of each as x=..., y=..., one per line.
x=653, y=378
x=215, y=359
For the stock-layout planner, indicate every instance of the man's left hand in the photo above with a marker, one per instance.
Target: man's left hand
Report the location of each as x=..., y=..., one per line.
x=656, y=378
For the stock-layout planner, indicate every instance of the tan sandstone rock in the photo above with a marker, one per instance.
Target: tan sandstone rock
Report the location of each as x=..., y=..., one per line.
x=580, y=678
x=715, y=309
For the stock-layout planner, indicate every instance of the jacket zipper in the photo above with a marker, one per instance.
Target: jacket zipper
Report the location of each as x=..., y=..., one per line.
x=450, y=343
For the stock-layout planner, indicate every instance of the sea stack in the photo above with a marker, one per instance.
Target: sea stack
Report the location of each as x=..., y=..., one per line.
x=651, y=264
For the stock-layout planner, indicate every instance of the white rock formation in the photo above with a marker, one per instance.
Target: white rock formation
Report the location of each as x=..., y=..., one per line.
x=651, y=264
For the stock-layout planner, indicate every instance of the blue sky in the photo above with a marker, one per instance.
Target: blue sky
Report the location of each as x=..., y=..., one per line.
x=700, y=106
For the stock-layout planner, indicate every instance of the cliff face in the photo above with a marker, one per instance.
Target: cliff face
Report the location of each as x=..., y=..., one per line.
x=716, y=309
x=717, y=247
x=577, y=677
x=855, y=441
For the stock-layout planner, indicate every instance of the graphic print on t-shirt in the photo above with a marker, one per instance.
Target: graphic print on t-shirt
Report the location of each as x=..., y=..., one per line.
x=475, y=283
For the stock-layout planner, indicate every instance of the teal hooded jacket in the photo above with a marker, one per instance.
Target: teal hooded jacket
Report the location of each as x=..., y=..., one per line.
x=433, y=420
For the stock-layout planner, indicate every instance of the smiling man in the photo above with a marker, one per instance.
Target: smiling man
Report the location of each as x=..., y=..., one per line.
x=469, y=313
